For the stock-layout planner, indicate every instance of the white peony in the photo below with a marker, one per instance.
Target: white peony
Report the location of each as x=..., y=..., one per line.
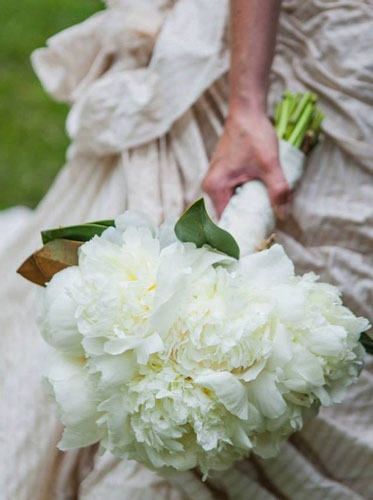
x=170, y=359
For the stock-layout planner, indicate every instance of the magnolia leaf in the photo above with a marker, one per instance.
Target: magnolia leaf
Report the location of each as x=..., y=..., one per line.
x=196, y=226
x=56, y=255
x=83, y=232
x=30, y=270
x=367, y=343
x=107, y=223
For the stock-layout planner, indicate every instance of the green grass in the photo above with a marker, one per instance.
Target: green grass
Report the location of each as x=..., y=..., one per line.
x=32, y=126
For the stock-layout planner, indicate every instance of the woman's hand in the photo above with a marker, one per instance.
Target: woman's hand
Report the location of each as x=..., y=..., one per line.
x=247, y=150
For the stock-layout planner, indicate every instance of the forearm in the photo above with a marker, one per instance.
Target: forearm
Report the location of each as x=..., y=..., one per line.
x=253, y=35
x=248, y=147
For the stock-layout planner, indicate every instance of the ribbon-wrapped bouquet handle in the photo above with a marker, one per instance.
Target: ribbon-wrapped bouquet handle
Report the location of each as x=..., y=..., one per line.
x=249, y=215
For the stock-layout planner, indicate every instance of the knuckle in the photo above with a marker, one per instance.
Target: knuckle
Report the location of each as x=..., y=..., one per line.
x=209, y=185
x=282, y=188
x=281, y=194
x=270, y=162
x=211, y=182
x=274, y=166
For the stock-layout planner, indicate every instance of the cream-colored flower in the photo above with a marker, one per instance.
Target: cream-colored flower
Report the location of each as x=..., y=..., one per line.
x=177, y=356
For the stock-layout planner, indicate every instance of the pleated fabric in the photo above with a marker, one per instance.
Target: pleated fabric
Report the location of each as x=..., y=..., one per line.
x=148, y=90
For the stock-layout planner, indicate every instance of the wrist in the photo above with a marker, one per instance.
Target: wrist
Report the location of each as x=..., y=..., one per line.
x=243, y=116
x=254, y=104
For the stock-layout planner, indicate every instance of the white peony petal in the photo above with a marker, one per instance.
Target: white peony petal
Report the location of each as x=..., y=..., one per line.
x=113, y=235
x=57, y=320
x=338, y=391
x=68, y=379
x=265, y=395
x=115, y=415
x=240, y=438
x=94, y=346
x=147, y=347
x=267, y=268
x=289, y=302
x=115, y=369
x=267, y=445
x=135, y=218
x=205, y=258
x=282, y=348
x=303, y=372
x=167, y=234
x=172, y=281
x=118, y=346
x=79, y=436
x=323, y=396
x=230, y=392
x=253, y=371
x=344, y=317
x=62, y=367
x=181, y=461
x=328, y=340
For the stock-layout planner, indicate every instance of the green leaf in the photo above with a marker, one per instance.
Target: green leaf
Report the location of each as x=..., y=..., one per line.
x=196, y=226
x=107, y=223
x=83, y=232
x=367, y=343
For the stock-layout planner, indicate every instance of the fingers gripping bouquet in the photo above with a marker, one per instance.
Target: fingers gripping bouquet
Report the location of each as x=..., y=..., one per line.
x=173, y=351
x=297, y=121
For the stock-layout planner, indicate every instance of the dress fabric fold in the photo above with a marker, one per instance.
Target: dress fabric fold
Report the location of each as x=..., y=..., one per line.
x=148, y=88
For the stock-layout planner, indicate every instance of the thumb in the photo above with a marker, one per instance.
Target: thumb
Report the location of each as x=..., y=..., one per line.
x=220, y=199
x=219, y=192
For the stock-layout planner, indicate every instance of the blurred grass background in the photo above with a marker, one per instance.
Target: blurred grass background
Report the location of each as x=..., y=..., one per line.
x=32, y=129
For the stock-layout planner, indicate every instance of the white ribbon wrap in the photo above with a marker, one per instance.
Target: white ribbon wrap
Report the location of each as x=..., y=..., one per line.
x=249, y=216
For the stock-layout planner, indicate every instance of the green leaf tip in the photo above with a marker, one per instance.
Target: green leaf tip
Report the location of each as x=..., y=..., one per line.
x=195, y=226
x=83, y=232
x=367, y=343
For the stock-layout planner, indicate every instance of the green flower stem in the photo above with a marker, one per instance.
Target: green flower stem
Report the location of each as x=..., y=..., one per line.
x=295, y=101
x=316, y=121
x=277, y=111
x=297, y=136
x=284, y=117
x=306, y=97
x=297, y=119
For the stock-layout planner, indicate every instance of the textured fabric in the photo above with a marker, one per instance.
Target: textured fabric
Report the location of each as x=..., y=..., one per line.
x=148, y=88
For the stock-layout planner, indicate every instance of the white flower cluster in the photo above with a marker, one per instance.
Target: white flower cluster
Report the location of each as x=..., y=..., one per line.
x=170, y=359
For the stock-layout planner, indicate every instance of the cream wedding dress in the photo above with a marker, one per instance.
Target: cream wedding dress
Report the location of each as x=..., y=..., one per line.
x=147, y=84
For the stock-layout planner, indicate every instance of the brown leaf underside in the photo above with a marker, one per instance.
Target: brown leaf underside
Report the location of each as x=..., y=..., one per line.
x=43, y=264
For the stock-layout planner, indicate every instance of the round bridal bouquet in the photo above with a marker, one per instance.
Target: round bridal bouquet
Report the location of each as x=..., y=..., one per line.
x=172, y=350
x=180, y=356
